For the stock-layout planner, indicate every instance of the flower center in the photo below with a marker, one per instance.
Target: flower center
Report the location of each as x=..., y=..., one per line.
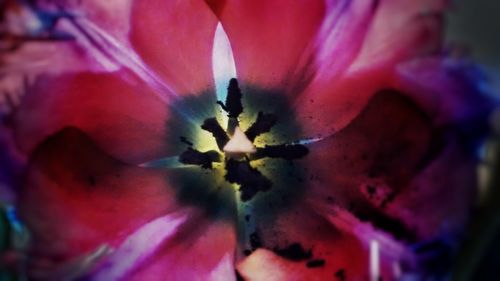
x=239, y=145
x=236, y=149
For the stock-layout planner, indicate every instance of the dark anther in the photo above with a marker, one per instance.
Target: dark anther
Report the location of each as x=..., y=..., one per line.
x=203, y=159
x=250, y=179
x=262, y=125
x=294, y=252
x=233, y=104
x=285, y=151
x=211, y=125
x=315, y=263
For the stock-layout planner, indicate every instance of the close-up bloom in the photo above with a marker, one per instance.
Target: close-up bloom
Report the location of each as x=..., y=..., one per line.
x=235, y=140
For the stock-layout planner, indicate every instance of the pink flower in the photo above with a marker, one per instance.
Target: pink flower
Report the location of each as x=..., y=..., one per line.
x=359, y=123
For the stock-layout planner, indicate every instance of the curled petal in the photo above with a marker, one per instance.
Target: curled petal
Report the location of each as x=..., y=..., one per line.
x=435, y=205
x=117, y=110
x=368, y=163
x=332, y=107
x=76, y=197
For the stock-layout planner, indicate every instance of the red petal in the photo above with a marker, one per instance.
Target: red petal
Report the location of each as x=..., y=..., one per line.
x=202, y=250
x=269, y=37
x=175, y=39
x=368, y=163
x=402, y=29
x=326, y=109
x=117, y=110
x=76, y=197
x=340, y=252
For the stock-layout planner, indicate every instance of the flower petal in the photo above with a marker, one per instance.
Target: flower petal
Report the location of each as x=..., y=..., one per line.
x=117, y=110
x=340, y=38
x=436, y=205
x=175, y=39
x=365, y=165
x=138, y=247
x=76, y=197
x=266, y=51
x=201, y=250
x=303, y=245
x=112, y=15
x=328, y=109
x=357, y=65
x=451, y=91
x=401, y=30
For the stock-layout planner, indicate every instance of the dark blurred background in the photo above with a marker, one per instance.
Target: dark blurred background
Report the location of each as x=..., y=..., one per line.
x=475, y=26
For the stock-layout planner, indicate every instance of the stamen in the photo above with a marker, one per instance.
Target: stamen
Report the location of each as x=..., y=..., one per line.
x=250, y=179
x=203, y=159
x=285, y=151
x=233, y=104
x=262, y=125
x=211, y=125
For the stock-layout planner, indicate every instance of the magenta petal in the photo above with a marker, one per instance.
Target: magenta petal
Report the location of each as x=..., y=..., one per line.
x=450, y=91
x=339, y=39
x=402, y=29
x=138, y=247
x=203, y=249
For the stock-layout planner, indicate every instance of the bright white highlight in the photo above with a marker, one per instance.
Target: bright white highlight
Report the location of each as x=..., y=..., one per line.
x=223, y=66
x=374, y=260
x=239, y=144
x=139, y=246
x=308, y=141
